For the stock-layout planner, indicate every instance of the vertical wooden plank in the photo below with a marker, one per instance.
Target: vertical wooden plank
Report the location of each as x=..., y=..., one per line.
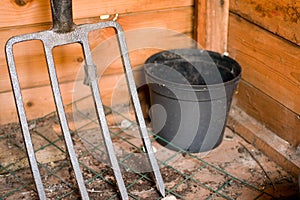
x=200, y=22
x=211, y=31
x=217, y=25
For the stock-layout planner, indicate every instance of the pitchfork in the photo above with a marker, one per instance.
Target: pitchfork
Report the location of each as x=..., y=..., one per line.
x=63, y=32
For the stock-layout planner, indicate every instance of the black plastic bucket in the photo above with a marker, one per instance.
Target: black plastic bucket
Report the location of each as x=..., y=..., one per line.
x=193, y=89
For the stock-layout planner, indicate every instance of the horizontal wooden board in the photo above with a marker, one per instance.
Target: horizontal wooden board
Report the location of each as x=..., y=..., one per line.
x=268, y=62
x=39, y=101
x=265, y=140
x=280, y=17
x=146, y=33
x=17, y=13
x=271, y=113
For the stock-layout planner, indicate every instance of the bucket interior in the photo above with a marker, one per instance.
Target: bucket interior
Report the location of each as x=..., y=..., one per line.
x=207, y=68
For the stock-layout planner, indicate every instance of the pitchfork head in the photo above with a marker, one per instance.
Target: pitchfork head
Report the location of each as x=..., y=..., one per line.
x=63, y=32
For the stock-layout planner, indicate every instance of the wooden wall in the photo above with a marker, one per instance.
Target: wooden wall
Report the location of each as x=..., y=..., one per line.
x=26, y=16
x=264, y=37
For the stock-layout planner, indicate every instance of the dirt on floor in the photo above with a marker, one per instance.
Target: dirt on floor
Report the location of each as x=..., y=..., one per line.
x=234, y=170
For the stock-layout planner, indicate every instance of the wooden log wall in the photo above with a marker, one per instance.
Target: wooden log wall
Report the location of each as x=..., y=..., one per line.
x=27, y=16
x=264, y=37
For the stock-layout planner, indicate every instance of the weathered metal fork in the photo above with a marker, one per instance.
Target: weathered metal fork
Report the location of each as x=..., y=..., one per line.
x=63, y=32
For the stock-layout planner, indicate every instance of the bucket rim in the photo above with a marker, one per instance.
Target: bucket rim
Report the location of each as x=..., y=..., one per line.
x=190, y=87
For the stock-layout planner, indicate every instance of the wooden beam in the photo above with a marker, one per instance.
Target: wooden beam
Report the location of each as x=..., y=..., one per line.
x=265, y=140
x=211, y=29
x=200, y=22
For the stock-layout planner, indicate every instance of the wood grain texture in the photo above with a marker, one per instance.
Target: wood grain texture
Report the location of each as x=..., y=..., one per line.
x=265, y=140
x=280, y=17
x=147, y=33
x=20, y=13
x=212, y=24
x=269, y=112
x=217, y=25
x=39, y=101
x=200, y=22
x=269, y=63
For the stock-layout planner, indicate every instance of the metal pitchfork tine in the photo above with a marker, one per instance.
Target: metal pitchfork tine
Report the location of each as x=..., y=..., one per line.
x=63, y=32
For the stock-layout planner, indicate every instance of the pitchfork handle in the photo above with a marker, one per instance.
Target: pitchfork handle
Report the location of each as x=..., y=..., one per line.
x=62, y=16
